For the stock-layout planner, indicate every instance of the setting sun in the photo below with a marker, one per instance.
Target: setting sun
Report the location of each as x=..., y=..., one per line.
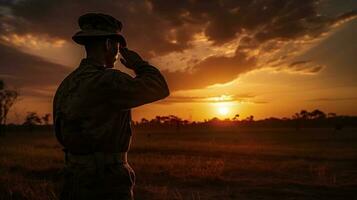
x=223, y=110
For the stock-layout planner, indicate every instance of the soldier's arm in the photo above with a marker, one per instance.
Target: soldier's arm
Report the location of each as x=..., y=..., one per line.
x=56, y=116
x=127, y=92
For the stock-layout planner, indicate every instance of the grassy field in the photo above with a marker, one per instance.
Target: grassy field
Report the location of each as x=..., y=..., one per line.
x=241, y=164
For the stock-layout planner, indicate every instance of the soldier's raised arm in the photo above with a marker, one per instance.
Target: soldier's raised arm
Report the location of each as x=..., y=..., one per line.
x=148, y=86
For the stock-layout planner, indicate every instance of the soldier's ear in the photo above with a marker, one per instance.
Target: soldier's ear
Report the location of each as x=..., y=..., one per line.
x=110, y=44
x=107, y=44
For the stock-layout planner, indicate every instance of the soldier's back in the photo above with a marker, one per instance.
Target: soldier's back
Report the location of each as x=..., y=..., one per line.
x=91, y=129
x=90, y=121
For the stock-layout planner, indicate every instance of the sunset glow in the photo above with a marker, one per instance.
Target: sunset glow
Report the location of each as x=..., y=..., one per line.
x=223, y=111
x=262, y=65
x=188, y=99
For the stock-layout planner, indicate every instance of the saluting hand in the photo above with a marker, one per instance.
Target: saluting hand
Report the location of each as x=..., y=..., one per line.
x=131, y=59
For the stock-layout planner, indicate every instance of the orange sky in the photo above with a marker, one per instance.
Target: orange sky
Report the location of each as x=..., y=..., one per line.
x=233, y=63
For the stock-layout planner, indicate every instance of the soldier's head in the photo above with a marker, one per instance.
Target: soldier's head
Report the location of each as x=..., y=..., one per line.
x=105, y=47
x=100, y=34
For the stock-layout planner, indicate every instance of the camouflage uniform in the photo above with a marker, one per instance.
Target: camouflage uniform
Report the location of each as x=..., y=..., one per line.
x=92, y=114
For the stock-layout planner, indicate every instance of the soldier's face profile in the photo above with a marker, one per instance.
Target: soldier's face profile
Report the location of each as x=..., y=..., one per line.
x=112, y=48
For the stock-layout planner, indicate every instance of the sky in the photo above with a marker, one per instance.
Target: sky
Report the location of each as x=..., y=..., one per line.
x=220, y=58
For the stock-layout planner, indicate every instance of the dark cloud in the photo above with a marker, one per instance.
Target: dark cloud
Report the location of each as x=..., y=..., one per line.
x=301, y=62
x=265, y=19
x=158, y=27
x=305, y=66
x=346, y=16
x=145, y=31
x=210, y=71
x=27, y=71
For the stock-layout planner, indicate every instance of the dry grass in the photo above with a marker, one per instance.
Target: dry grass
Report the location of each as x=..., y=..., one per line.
x=240, y=164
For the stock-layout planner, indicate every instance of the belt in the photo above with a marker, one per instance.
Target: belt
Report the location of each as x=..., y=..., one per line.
x=97, y=158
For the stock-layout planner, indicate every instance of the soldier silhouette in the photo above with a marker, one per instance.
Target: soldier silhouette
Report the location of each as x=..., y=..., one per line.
x=92, y=115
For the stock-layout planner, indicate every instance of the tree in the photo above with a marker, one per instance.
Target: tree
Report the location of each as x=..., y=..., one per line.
x=296, y=116
x=7, y=100
x=144, y=121
x=32, y=119
x=331, y=115
x=304, y=114
x=317, y=114
x=158, y=119
x=235, y=118
x=250, y=118
x=46, y=118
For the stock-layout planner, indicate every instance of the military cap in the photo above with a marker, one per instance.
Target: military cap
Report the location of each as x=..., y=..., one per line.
x=98, y=25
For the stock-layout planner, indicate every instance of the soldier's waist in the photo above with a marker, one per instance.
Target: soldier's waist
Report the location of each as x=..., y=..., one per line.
x=97, y=158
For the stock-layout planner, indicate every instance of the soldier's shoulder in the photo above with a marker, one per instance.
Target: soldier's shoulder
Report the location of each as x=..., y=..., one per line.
x=63, y=86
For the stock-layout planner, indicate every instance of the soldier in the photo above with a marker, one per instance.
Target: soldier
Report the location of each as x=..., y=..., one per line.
x=92, y=115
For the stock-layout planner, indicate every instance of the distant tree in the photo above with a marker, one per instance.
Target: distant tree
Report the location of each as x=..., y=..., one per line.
x=46, y=118
x=296, y=116
x=158, y=119
x=235, y=118
x=173, y=120
x=144, y=121
x=165, y=119
x=331, y=115
x=304, y=114
x=214, y=119
x=7, y=100
x=317, y=114
x=32, y=119
x=250, y=118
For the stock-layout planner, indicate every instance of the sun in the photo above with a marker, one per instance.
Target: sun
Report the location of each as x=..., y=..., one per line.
x=223, y=110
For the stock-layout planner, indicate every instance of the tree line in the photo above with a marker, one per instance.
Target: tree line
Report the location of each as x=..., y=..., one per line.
x=8, y=98
x=302, y=119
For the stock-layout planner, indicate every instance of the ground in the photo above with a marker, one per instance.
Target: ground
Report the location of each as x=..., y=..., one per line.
x=242, y=163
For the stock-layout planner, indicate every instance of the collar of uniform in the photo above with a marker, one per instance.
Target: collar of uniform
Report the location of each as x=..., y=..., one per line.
x=91, y=63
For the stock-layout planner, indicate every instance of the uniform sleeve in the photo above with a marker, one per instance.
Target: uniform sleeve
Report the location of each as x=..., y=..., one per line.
x=56, y=115
x=127, y=92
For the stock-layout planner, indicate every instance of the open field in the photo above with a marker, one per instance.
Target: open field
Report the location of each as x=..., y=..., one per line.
x=216, y=164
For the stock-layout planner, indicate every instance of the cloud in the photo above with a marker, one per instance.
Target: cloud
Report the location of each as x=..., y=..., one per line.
x=305, y=67
x=27, y=71
x=212, y=70
x=158, y=26
x=265, y=30
x=334, y=99
x=145, y=31
x=241, y=98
